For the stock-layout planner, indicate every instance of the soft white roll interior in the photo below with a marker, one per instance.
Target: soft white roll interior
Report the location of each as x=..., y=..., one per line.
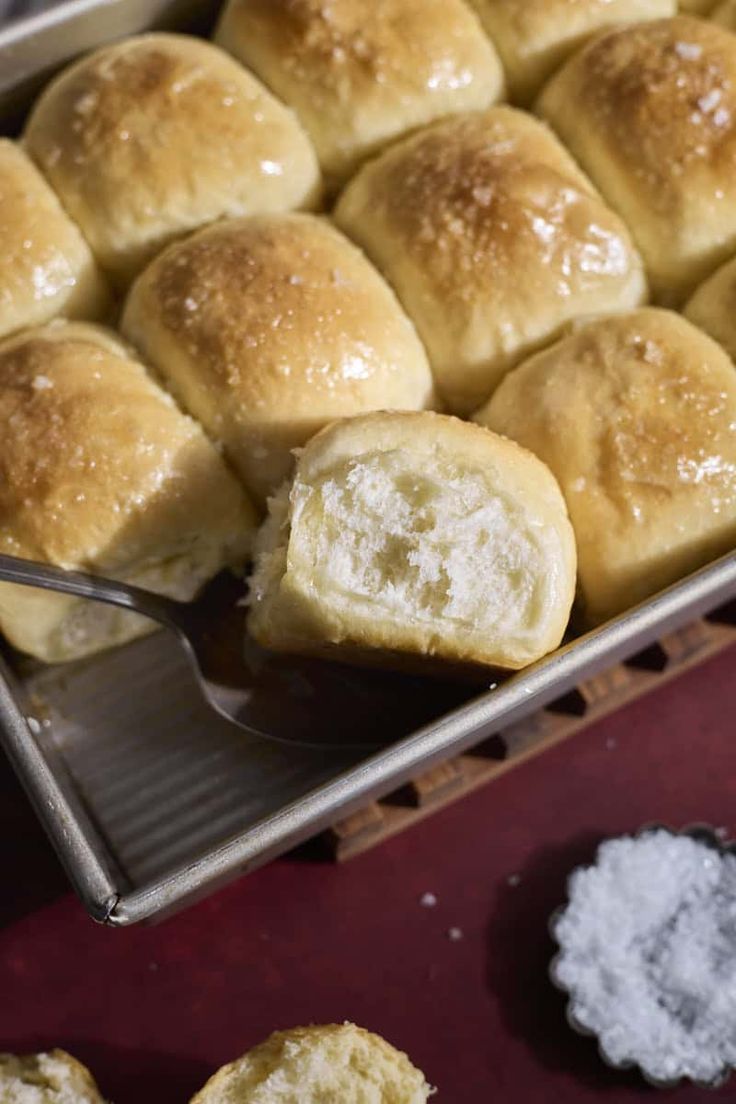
x=423, y=553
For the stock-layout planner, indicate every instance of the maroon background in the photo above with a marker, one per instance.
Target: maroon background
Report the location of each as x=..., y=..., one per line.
x=153, y=1010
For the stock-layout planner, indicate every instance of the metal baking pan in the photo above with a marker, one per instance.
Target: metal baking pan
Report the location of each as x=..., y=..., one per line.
x=149, y=798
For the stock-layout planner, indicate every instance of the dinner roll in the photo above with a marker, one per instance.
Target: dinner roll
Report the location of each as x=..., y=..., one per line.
x=155, y=136
x=725, y=14
x=649, y=113
x=46, y=267
x=636, y=416
x=493, y=239
x=359, y=81
x=99, y=471
x=54, y=1078
x=415, y=535
x=697, y=7
x=713, y=307
x=269, y=327
x=535, y=36
x=315, y=1065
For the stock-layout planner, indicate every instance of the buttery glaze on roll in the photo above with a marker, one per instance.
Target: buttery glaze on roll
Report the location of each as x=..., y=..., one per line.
x=358, y=81
x=313, y=1065
x=100, y=472
x=268, y=328
x=155, y=136
x=46, y=267
x=415, y=536
x=725, y=14
x=650, y=113
x=713, y=307
x=53, y=1078
x=636, y=416
x=534, y=37
x=493, y=239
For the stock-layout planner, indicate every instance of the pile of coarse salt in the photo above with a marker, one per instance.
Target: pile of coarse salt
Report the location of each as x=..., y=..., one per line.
x=648, y=955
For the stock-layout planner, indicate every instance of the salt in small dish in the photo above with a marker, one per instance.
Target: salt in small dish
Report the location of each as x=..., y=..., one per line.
x=715, y=909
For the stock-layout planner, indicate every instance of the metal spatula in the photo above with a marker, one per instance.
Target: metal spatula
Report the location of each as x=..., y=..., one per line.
x=311, y=703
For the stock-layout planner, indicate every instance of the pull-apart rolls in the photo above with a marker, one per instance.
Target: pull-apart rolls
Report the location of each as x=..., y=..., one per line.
x=492, y=239
x=266, y=329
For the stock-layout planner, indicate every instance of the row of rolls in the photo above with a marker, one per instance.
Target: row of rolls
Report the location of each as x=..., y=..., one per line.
x=410, y=324
x=302, y=1065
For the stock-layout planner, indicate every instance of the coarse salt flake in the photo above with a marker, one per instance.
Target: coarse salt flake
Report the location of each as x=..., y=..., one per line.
x=710, y=101
x=688, y=51
x=648, y=955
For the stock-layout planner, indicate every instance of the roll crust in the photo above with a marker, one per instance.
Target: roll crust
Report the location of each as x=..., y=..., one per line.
x=308, y=1065
x=415, y=535
x=46, y=266
x=535, y=36
x=53, y=1078
x=268, y=328
x=636, y=416
x=648, y=111
x=157, y=135
x=100, y=472
x=493, y=239
x=358, y=82
x=713, y=307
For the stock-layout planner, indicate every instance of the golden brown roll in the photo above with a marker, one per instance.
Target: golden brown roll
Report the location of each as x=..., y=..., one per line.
x=356, y=80
x=54, y=1078
x=268, y=328
x=46, y=267
x=636, y=416
x=100, y=472
x=713, y=307
x=725, y=14
x=696, y=7
x=415, y=535
x=649, y=112
x=338, y=1063
x=534, y=37
x=155, y=136
x=493, y=239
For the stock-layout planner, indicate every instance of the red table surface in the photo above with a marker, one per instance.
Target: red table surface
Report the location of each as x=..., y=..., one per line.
x=154, y=1010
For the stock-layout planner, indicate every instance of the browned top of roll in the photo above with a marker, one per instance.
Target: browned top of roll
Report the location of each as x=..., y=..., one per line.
x=266, y=328
x=665, y=92
x=468, y=190
x=156, y=135
x=492, y=238
x=650, y=113
x=360, y=75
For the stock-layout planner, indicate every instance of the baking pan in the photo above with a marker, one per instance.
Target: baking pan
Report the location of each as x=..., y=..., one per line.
x=151, y=800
